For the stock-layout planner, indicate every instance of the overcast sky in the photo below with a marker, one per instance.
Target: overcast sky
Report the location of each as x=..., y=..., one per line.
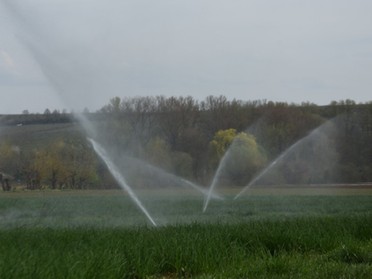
x=80, y=53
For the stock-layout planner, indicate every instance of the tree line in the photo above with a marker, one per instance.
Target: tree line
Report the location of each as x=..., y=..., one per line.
x=187, y=137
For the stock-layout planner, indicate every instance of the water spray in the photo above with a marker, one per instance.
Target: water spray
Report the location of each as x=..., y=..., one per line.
x=280, y=158
x=216, y=177
x=119, y=178
x=271, y=165
x=174, y=177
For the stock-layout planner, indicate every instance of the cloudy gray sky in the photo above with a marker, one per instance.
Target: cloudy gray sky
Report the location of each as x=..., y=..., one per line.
x=80, y=53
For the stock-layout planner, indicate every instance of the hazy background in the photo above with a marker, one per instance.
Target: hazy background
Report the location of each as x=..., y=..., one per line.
x=79, y=53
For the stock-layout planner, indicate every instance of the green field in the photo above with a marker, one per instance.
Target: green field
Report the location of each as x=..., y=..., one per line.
x=266, y=234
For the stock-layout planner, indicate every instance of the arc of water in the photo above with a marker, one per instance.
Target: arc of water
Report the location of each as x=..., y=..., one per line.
x=216, y=177
x=203, y=191
x=273, y=163
x=119, y=178
x=174, y=177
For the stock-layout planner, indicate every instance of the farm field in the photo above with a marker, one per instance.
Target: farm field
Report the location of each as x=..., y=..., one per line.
x=101, y=234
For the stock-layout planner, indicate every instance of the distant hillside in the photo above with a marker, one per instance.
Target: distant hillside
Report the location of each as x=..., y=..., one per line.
x=53, y=155
x=30, y=136
x=27, y=119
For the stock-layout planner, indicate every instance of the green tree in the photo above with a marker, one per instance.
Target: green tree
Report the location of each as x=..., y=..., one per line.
x=81, y=165
x=9, y=158
x=219, y=145
x=176, y=116
x=64, y=164
x=49, y=164
x=158, y=153
x=242, y=156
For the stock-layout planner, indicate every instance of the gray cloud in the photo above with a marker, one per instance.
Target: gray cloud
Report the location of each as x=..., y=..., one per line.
x=285, y=50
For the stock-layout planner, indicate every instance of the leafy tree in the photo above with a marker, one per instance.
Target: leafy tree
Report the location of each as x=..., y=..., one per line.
x=30, y=172
x=139, y=113
x=220, y=143
x=242, y=156
x=65, y=165
x=187, y=127
x=176, y=115
x=282, y=125
x=9, y=158
x=158, y=153
x=81, y=165
x=49, y=165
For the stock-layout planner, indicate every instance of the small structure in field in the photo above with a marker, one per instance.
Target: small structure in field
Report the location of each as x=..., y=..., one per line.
x=5, y=181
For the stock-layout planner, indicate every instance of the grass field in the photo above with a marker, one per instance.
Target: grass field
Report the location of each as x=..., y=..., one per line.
x=101, y=234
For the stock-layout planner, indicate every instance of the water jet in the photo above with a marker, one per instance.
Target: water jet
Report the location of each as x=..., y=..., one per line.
x=216, y=177
x=119, y=178
x=314, y=136
x=176, y=179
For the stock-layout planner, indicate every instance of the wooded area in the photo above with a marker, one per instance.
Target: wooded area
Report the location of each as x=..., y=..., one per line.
x=188, y=138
